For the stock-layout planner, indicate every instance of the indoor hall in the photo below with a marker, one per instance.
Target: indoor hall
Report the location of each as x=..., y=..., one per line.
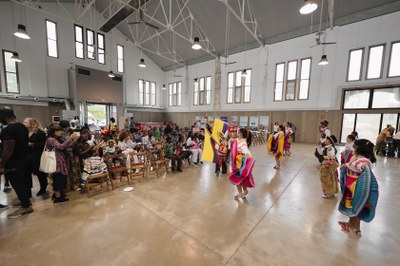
x=143, y=103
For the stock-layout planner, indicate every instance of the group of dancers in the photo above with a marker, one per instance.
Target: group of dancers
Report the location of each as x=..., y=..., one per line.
x=358, y=184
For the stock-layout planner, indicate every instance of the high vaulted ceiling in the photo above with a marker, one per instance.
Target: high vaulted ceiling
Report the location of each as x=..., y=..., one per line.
x=249, y=23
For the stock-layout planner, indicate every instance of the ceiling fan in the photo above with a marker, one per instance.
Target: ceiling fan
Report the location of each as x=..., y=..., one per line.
x=141, y=20
x=319, y=42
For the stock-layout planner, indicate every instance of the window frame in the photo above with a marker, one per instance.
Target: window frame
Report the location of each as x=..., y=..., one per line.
x=174, y=96
x=83, y=41
x=371, y=90
x=90, y=45
x=242, y=86
x=145, y=92
x=300, y=79
x=201, y=95
x=382, y=63
x=5, y=73
x=290, y=81
x=390, y=59
x=47, y=38
x=283, y=80
x=122, y=59
x=362, y=64
x=101, y=49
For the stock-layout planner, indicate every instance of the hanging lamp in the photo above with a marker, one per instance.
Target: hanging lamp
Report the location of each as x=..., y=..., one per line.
x=308, y=7
x=324, y=60
x=196, y=44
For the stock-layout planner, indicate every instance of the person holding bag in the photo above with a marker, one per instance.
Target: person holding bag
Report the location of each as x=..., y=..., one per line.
x=57, y=144
x=37, y=140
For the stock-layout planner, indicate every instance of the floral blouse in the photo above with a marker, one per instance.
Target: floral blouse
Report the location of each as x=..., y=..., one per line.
x=60, y=148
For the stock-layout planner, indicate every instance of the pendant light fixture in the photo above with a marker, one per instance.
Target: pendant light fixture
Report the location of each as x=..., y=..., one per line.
x=163, y=87
x=324, y=60
x=196, y=81
x=308, y=7
x=111, y=74
x=142, y=63
x=196, y=44
x=21, y=32
x=244, y=73
x=15, y=58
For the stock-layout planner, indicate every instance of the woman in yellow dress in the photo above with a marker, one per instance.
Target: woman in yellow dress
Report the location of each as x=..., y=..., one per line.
x=275, y=146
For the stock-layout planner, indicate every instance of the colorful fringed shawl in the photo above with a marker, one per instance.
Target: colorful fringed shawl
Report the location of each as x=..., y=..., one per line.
x=275, y=146
x=288, y=139
x=242, y=167
x=360, y=190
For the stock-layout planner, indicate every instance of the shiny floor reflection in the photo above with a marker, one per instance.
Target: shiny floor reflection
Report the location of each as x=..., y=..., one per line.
x=190, y=218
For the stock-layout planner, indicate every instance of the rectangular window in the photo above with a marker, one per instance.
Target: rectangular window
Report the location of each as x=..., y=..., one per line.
x=239, y=86
x=347, y=126
x=367, y=126
x=153, y=94
x=51, y=35
x=208, y=90
x=355, y=65
x=120, y=58
x=279, y=78
x=179, y=93
x=291, y=81
x=230, y=88
x=375, y=62
x=101, y=49
x=146, y=93
x=386, y=98
x=394, y=61
x=305, y=73
x=11, y=73
x=175, y=94
x=141, y=92
x=196, y=92
x=90, y=43
x=202, y=91
x=356, y=99
x=79, y=42
x=247, y=86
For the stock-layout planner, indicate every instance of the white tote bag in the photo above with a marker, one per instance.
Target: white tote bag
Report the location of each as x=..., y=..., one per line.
x=48, y=163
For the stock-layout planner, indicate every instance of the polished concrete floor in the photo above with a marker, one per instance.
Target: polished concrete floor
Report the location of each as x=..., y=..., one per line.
x=191, y=218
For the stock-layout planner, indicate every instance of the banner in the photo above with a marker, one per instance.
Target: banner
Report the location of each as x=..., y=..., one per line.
x=209, y=152
x=219, y=128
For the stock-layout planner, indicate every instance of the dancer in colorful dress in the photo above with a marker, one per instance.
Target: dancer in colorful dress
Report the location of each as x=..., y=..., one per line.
x=288, y=139
x=359, y=188
x=275, y=146
x=242, y=165
x=328, y=172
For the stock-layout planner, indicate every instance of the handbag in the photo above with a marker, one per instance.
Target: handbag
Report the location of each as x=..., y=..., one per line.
x=48, y=163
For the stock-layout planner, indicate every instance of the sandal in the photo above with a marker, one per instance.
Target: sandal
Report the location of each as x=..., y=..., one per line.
x=238, y=196
x=277, y=167
x=245, y=193
x=346, y=227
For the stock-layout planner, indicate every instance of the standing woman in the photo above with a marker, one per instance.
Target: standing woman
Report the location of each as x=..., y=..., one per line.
x=275, y=146
x=242, y=165
x=37, y=139
x=56, y=143
x=288, y=139
x=359, y=188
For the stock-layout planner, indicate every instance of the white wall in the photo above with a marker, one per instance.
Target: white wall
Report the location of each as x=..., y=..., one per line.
x=43, y=76
x=326, y=81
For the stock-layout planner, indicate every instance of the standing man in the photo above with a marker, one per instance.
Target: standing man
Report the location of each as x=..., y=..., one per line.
x=15, y=159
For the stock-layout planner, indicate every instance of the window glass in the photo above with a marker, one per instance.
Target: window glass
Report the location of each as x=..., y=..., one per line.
x=141, y=92
x=147, y=93
x=304, y=79
x=153, y=93
x=292, y=69
x=355, y=63
x=238, y=78
x=230, y=88
x=389, y=119
x=356, y=99
x=79, y=42
x=179, y=93
x=247, y=88
x=280, y=72
x=170, y=94
x=196, y=93
x=208, y=92
x=120, y=58
x=11, y=73
x=386, y=98
x=367, y=126
x=394, y=66
x=101, y=49
x=375, y=62
x=347, y=126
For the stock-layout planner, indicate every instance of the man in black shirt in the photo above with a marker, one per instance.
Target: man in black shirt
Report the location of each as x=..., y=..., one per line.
x=15, y=159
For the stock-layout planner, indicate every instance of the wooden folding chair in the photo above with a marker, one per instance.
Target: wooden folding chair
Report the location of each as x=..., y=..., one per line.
x=138, y=169
x=94, y=183
x=116, y=170
x=157, y=161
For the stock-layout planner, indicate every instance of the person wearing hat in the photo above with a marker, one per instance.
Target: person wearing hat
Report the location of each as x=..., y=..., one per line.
x=328, y=171
x=325, y=132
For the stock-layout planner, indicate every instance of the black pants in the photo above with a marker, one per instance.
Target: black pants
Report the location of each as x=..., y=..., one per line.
x=59, y=182
x=19, y=179
x=42, y=177
x=176, y=161
x=223, y=164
